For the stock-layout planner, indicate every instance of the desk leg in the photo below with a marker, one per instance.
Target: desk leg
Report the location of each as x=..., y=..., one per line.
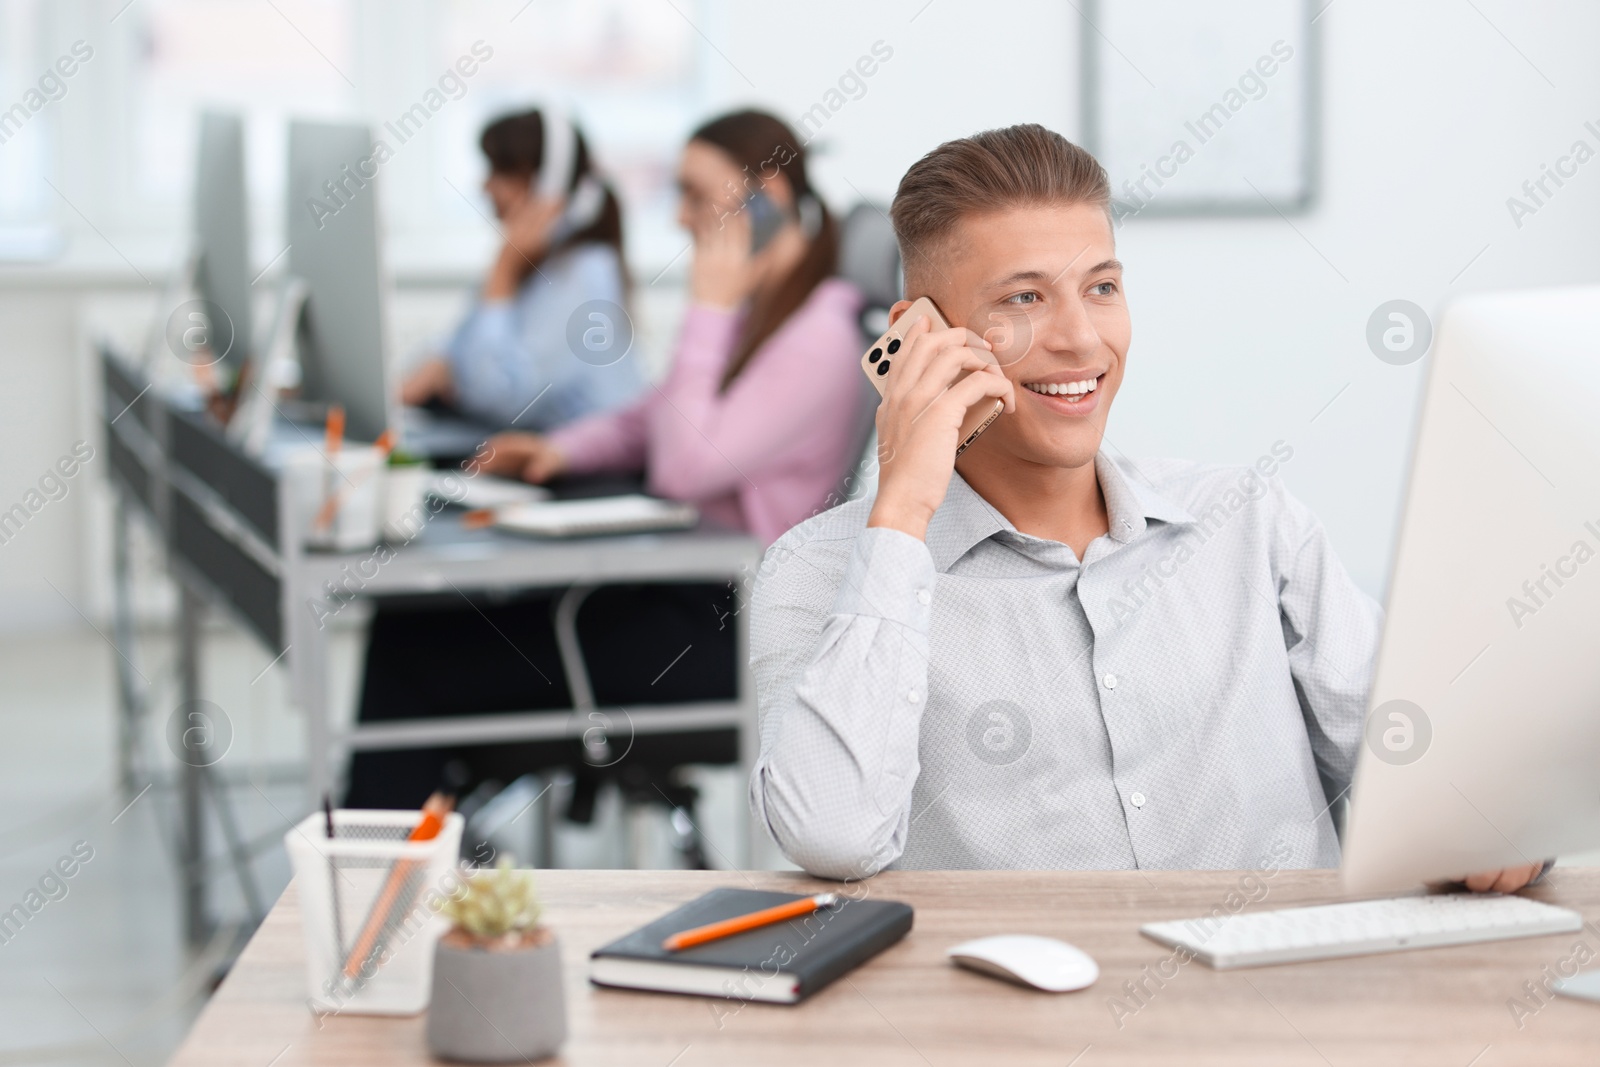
x=128, y=695
x=308, y=682
x=191, y=837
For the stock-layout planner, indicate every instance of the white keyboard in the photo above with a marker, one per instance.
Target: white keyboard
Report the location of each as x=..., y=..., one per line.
x=1323, y=931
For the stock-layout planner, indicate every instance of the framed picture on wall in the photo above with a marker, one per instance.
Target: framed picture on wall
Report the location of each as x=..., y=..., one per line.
x=1200, y=109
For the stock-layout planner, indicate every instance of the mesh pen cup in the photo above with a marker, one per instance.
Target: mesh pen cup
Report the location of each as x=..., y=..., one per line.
x=368, y=901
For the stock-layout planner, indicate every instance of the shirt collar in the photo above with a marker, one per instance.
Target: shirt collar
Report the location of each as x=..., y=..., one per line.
x=966, y=518
x=1130, y=501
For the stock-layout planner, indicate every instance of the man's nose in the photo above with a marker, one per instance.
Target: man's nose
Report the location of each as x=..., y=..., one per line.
x=1068, y=330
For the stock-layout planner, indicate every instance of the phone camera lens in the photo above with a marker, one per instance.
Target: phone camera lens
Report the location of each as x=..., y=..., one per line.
x=883, y=368
x=894, y=346
x=872, y=357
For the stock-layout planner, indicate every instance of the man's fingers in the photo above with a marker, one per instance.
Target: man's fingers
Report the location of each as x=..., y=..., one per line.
x=946, y=365
x=972, y=390
x=922, y=343
x=1514, y=878
x=1506, y=880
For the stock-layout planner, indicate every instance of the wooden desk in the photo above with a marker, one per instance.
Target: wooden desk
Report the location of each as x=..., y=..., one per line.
x=910, y=1007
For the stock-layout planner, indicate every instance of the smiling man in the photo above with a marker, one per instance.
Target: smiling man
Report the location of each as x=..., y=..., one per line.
x=1037, y=656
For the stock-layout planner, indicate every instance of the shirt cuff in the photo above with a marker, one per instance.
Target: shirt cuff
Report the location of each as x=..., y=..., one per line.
x=890, y=576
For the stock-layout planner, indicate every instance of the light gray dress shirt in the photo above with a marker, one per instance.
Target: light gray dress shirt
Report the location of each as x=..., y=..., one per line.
x=1189, y=695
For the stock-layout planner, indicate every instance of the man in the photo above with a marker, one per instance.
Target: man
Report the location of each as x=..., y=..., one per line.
x=1037, y=656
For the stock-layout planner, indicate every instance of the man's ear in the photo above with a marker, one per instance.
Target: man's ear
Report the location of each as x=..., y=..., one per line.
x=898, y=308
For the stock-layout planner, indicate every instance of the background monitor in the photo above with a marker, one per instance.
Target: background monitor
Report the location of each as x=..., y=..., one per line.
x=333, y=248
x=222, y=237
x=1482, y=743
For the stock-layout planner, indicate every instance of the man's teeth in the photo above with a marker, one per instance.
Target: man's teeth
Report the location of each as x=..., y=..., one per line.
x=1075, y=389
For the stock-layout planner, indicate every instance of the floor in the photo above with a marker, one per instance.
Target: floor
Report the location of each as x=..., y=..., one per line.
x=99, y=973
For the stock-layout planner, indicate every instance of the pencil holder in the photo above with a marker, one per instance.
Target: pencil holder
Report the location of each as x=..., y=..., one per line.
x=368, y=900
x=337, y=498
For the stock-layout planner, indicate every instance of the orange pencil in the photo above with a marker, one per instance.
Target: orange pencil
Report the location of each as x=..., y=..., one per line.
x=333, y=429
x=740, y=923
x=433, y=813
x=333, y=501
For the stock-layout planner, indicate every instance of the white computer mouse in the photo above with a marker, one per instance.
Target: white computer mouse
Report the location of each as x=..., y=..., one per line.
x=1040, y=962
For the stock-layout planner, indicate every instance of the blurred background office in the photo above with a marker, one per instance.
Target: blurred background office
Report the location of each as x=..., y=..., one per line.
x=1341, y=155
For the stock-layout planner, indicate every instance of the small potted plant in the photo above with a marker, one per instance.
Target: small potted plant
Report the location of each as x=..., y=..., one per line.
x=405, y=489
x=497, y=995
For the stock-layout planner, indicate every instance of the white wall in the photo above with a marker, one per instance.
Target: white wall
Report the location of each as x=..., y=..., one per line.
x=1243, y=330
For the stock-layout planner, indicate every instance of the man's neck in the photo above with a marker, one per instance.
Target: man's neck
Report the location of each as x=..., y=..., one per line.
x=1055, y=503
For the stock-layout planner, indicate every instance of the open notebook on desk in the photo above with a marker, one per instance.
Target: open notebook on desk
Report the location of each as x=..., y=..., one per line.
x=483, y=490
x=630, y=513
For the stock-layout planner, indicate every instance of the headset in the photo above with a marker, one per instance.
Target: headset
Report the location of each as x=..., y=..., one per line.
x=557, y=177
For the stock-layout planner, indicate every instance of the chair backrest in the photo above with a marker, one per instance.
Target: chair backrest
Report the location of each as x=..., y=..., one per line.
x=869, y=257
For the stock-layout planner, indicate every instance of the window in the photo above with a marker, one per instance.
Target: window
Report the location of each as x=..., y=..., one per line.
x=268, y=62
x=625, y=69
x=25, y=133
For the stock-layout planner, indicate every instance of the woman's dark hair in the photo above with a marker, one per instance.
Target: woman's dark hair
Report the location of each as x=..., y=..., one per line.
x=763, y=147
x=514, y=145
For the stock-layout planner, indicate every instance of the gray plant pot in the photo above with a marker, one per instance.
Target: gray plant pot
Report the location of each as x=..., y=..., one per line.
x=496, y=1006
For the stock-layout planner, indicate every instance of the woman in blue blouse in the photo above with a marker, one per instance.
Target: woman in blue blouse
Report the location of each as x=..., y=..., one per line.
x=510, y=362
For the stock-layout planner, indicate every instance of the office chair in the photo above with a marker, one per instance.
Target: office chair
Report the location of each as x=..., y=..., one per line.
x=869, y=258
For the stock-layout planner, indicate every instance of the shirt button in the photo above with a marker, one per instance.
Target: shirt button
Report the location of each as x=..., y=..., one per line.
x=912, y=696
x=1137, y=799
x=924, y=597
x=1110, y=681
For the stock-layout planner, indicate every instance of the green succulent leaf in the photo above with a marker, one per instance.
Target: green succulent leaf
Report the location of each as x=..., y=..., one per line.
x=493, y=903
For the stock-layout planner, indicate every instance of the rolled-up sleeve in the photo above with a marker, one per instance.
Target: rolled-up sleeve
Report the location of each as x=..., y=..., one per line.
x=842, y=677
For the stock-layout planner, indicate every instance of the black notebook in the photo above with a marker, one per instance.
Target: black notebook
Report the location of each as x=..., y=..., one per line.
x=783, y=963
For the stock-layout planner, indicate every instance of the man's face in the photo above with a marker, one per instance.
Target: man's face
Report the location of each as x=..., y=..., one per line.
x=1043, y=285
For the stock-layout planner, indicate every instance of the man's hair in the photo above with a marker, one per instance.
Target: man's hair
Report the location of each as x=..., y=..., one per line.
x=989, y=171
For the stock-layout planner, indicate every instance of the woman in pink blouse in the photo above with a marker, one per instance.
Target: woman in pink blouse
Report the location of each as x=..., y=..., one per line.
x=762, y=411
x=757, y=423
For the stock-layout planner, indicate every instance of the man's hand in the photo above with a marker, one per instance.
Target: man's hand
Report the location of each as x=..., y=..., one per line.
x=1508, y=880
x=919, y=420
x=522, y=455
x=431, y=379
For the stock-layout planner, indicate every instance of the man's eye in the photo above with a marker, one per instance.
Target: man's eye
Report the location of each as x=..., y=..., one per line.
x=1023, y=298
x=1104, y=289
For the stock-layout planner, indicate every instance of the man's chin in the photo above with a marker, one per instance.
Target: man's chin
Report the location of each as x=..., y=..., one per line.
x=1072, y=447
x=1069, y=454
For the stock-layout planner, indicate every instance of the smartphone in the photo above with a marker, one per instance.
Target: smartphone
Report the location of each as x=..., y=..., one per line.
x=875, y=363
x=765, y=219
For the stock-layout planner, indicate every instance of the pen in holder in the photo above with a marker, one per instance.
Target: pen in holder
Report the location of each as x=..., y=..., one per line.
x=367, y=897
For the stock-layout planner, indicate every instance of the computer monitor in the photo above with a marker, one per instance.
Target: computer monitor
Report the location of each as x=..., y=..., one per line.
x=1482, y=743
x=334, y=250
x=222, y=238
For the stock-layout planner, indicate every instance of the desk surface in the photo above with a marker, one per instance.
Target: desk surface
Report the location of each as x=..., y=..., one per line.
x=448, y=555
x=910, y=1007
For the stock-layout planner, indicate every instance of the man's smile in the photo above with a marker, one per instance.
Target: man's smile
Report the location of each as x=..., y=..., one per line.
x=1071, y=392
